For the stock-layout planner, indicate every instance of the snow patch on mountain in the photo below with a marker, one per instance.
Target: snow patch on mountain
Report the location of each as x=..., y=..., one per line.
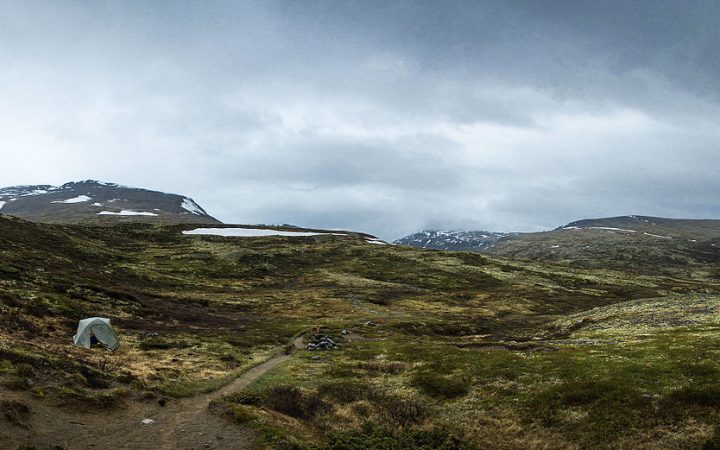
x=613, y=229
x=264, y=232
x=78, y=199
x=126, y=212
x=576, y=228
x=657, y=236
x=191, y=206
x=254, y=232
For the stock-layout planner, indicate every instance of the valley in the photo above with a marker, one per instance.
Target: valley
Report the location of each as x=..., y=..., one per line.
x=437, y=349
x=359, y=225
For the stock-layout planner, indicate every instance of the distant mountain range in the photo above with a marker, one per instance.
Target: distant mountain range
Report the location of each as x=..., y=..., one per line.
x=453, y=240
x=636, y=243
x=641, y=244
x=98, y=202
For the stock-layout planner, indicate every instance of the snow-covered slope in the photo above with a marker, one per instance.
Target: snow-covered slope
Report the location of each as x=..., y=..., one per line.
x=453, y=240
x=94, y=201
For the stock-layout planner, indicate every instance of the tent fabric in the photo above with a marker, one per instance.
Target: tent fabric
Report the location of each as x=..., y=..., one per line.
x=98, y=327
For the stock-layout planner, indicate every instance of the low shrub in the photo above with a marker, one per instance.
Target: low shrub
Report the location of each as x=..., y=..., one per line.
x=36, y=307
x=104, y=399
x=162, y=344
x=25, y=370
x=232, y=411
x=230, y=360
x=16, y=383
x=401, y=412
x=9, y=270
x=706, y=395
x=612, y=408
x=346, y=391
x=293, y=402
x=285, y=399
x=244, y=398
x=341, y=371
x=10, y=300
x=5, y=366
x=375, y=436
x=438, y=386
x=95, y=378
x=714, y=442
x=241, y=413
x=389, y=367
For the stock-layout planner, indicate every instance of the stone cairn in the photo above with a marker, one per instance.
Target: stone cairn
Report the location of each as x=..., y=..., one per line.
x=321, y=342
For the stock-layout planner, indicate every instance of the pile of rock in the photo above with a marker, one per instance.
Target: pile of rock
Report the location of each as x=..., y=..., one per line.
x=321, y=342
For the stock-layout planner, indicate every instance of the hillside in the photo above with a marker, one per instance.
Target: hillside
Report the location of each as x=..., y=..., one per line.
x=684, y=248
x=440, y=349
x=659, y=227
x=98, y=202
x=640, y=244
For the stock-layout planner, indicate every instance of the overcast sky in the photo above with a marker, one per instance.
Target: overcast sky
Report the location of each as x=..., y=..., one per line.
x=387, y=117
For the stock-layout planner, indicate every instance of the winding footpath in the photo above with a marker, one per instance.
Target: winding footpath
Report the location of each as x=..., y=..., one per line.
x=181, y=424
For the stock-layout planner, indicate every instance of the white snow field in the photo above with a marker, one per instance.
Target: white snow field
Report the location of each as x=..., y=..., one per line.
x=599, y=228
x=657, y=236
x=613, y=229
x=259, y=232
x=254, y=232
x=126, y=212
x=78, y=199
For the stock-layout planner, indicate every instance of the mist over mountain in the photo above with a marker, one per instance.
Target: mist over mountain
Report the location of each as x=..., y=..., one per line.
x=386, y=117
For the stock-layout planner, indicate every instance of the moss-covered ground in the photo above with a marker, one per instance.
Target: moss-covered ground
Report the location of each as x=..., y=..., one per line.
x=441, y=349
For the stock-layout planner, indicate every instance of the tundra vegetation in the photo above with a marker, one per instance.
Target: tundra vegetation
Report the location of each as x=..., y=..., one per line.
x=439, y=350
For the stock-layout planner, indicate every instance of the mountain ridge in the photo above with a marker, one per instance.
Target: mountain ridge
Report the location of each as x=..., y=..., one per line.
x=642, y=244
x=460, y=239
x=98, y=202
x=475, y=240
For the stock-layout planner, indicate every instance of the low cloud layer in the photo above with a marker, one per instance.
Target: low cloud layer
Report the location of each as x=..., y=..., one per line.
x=386, y=117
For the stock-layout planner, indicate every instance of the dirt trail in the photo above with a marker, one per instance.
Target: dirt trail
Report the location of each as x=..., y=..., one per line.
x=181, y=424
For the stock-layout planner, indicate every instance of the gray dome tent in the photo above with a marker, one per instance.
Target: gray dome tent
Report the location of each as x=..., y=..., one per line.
x=99, y=328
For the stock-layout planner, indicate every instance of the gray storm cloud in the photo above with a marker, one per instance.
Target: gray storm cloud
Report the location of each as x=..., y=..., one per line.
x=387, y=117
